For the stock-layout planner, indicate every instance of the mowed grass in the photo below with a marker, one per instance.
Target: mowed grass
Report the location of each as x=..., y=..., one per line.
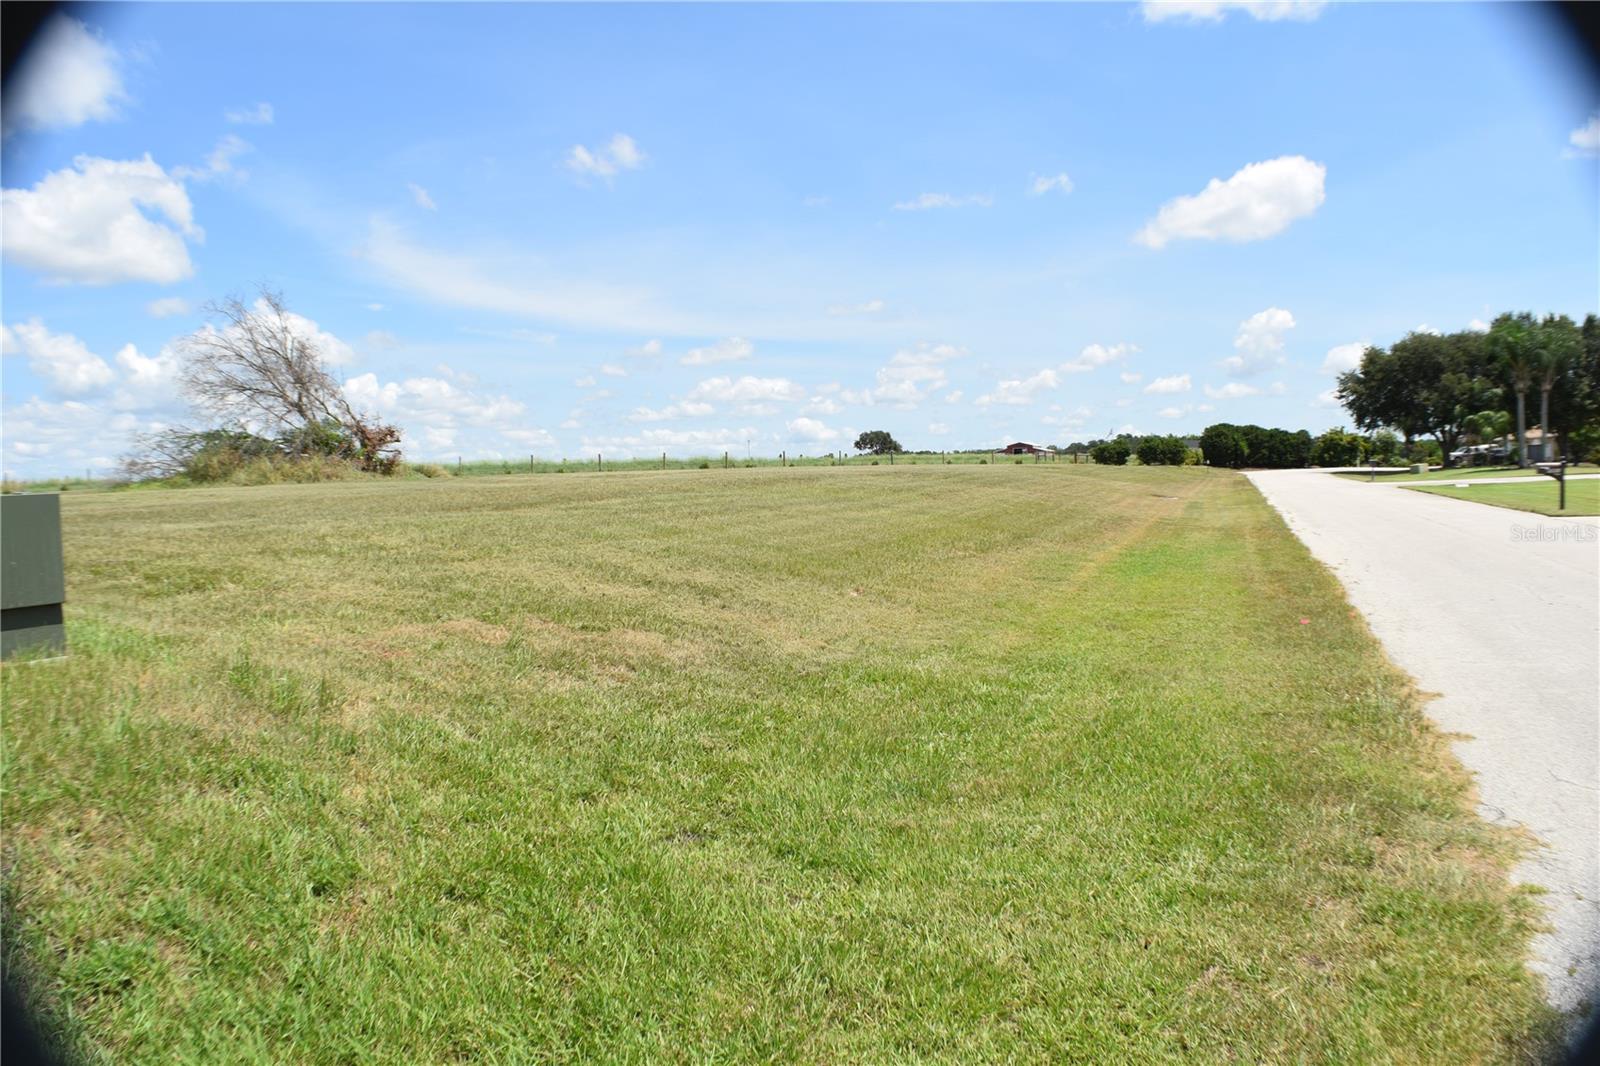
x=965, y=764
x=1467, y=473
x=1541, y=497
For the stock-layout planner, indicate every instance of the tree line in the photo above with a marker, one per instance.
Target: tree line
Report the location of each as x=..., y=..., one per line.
x=1462, y=387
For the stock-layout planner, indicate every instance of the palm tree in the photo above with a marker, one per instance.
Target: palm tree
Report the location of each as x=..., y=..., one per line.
x=1511, y=339
x=1557, y=341
x=1487, y=426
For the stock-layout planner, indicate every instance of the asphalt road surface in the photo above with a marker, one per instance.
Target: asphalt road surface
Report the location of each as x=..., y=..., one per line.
x=1498, y=611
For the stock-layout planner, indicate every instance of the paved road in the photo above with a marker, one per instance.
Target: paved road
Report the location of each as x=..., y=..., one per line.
x=1499, y=612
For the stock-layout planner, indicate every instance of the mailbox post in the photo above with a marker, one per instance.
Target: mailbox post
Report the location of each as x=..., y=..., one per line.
x=1559, y=472
x=32, y=578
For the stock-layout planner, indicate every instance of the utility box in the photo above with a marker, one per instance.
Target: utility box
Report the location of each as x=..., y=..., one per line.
x=33, y=582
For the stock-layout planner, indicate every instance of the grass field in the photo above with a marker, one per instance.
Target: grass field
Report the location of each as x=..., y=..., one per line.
x=1541, y=497
x=1040, y=763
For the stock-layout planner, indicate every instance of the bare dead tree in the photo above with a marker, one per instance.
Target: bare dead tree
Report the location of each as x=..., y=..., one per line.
x=252, y=367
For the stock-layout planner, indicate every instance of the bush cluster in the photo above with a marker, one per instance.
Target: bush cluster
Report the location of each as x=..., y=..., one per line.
x=1162, y=451
x=1338, y=448
x=1110, y=453
x=319, y=452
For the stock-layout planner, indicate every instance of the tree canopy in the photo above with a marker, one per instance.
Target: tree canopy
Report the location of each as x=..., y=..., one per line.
x=878, y=442
x=1449, y=387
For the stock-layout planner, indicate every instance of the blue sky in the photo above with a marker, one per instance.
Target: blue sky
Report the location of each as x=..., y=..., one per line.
x=560, y=230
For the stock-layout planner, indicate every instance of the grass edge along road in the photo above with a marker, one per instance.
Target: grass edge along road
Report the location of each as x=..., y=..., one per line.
x=1081, y=764
x=1541, y=497
x=1468, y=473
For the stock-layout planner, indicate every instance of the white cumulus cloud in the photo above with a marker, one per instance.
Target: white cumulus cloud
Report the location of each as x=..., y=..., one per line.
x=62, y=359
x=1019, y=392
x=1045, y=183
x=1344, y=357
x=656, y=441
x=686, y=409
x=1098, y=355
x=94, y=224
x=421, y=196
x=1215, y=10
x=1584, y=142
x=1258, y=345
x=70, y=76
x=913, y=374
x=1233, y=390
x=870, y=307
x=218, y=162
x=433, y=411
x=618, y=154
x=259, y=115
x=931, y=200
x=725, y=351
x=1168, y=385
x=809, y=429
x=1259, y=201
x=751, y=394
x=167, y=306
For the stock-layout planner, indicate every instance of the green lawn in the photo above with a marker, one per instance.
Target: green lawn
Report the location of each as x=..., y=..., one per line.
x=1468, y=474
x=978, y=764
x=1541, y=497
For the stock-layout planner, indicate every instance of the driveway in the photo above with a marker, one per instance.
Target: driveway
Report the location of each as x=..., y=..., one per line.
x=1498, y=611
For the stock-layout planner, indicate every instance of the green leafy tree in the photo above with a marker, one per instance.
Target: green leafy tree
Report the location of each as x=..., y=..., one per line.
x=1223, y=445
x=1424, y=384
x=878, y=442
x=1337, y=447
x=1162, y=451
x=1384, y=448
x=1559, y=344
x=1386, y=390
x=1575, y=407
x=1110, y=453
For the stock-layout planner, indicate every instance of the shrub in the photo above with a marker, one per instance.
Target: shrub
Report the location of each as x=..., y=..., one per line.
x=1110, y=453
x=1337, y=448
x=1384, y=447
x=1425, y=451
x=1583, y=445
x=983, y=462
x=705, y=465
x=1162, y=451
x=429, y=470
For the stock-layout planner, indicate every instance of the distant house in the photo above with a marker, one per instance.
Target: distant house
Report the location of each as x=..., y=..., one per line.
x=1541, y=449
x=1023, y=448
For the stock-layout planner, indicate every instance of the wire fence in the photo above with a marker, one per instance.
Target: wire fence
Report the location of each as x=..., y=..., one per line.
x=600, y=463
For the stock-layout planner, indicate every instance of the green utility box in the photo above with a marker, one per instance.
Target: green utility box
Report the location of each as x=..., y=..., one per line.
x=32, y=578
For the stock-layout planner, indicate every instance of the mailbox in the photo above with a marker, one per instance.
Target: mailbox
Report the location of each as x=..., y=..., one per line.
x=32, y=579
